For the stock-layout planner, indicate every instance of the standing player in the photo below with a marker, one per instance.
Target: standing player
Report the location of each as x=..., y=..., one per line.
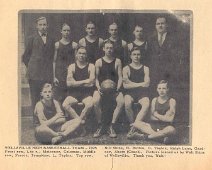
x=136, y=82
x=63, y=57
x=140, y=43
x=91, y=42
x=38, y=58
x=162, y=116
x=80, y=80
x=52, y=127
x=108, y=67
x=119, y=45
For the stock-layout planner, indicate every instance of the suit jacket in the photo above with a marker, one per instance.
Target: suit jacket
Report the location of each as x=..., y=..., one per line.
x=163, y=59
x=38, y=57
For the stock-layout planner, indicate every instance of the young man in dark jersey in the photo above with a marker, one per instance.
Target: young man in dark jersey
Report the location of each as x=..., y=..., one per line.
x=51, y=125
x=80, y=81
x=136, y=83
x=63, y=57
x=119, y=45
x=162, y=117
x=140, y=43
x=91, y=42
x=108, y=67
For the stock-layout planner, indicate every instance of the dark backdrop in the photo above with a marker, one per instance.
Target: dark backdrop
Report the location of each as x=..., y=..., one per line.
x=179, y=24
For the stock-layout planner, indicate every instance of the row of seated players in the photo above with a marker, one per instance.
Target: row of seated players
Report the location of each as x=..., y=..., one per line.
x=81, y=79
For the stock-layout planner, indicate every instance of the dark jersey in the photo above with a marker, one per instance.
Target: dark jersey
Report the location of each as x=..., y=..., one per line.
x=119, y=51
x=108, y=71
x=143, y=50
x=81, y=73
x=65, y=57
x=49, y=111
x=137, y=76
x=93, y=50
x=162, y=108
x=80, y=93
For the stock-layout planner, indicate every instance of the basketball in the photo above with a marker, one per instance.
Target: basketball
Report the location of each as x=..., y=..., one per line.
x=108, y=86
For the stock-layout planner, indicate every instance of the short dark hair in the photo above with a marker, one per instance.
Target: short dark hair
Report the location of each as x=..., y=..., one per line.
x=135, y=49
x=137, y=25
x=41, y=18
x=114, y=23
x=46, y=85
x=80, y=47
x=64, y=24
x=108, y=41
x=164, y=82
x=90, y=22
x=161, y=16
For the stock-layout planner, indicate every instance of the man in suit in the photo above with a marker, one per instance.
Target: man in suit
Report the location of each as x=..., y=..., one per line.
x=162, y=53
x=38, y=58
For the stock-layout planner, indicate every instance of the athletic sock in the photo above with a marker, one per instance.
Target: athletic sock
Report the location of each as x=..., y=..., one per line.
x=113, y=125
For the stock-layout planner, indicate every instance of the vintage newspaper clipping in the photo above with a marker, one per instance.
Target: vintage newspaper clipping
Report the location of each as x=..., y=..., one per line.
x=105, y=85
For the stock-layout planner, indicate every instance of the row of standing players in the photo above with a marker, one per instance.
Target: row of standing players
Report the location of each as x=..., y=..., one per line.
x=65, y=50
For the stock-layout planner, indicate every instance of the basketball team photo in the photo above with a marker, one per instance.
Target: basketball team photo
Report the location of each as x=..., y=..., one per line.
x=105, y=77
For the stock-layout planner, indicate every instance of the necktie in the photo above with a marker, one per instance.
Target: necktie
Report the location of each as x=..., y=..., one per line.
x=160, y=40
x=43, y=34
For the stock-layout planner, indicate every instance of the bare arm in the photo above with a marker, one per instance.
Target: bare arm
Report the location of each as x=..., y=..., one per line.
x=59, y=111
x=169, y=116
x=91, y=80
x=119, y=69
x=146, y=77
x=101, y=41
x=126, y=58
x=82, y=42
x=131, y=85
x=55, y=58
x=74, y=46
x=97, y=68
x=152, y=117
x=129, y=48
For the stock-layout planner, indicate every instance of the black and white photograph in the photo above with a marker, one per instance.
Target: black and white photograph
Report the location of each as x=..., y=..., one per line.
x=105, y=77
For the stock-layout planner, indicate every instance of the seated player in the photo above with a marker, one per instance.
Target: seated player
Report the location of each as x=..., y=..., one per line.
x=91, y=42
x=136, y=82
x=108, y=68
x=162, y=116
x=80, y=80
x=52, y=126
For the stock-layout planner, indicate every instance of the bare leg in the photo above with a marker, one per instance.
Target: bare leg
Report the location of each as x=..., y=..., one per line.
x=119, y=106
x=144, y=102
x=70, y=126
x=44, y=134
x=167, y=131
x=88, y=102
x=128, y=100
x=67, y=105
x=97, y=106
x=146, y=128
